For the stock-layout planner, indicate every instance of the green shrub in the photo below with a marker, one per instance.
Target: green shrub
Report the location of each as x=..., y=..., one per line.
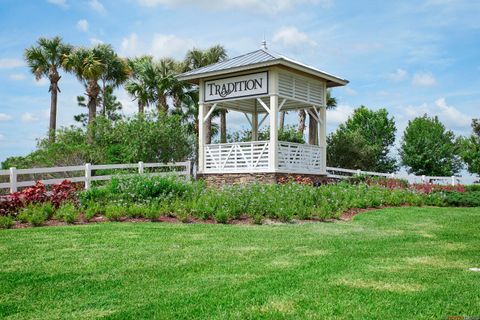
x=472, y=187
x=6, y=222
x=221, y=216
x=114, y=212
x=95, y=195
x=463, y=199
x=67, y=213
x=35, y=214
x=91, y=209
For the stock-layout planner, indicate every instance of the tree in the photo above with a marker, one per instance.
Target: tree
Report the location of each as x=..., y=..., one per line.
x=197, y=58
x=115, y=73
x=136, y=86
x=427, y=148
x=469, y=148
x=88, y=67
x=110, y=109
x=373, y=135
x=45, y=60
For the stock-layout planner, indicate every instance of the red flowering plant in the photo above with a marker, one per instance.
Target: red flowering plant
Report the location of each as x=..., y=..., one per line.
x=59, y=193
x=428, y=188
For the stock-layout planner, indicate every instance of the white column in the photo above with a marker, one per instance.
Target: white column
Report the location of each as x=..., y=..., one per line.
x=88, y=175
x=273, y=132
x=322, y=136
x=202, y=112
x=255, y=122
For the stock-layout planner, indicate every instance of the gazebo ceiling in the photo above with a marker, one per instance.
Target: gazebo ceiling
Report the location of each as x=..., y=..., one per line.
x=259, y=59
x=251, y=105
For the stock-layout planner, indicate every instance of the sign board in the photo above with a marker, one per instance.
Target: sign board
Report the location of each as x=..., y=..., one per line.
x=236, y=87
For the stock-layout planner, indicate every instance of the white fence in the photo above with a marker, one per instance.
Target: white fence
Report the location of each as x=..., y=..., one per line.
x=254, y=157
x=237, y=156
x=340, y=173
x=87, y=176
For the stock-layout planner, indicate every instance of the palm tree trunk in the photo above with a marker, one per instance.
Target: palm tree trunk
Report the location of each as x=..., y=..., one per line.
x=282, y=120
x=93, y=90
x=223, y=126
x=312, y=130
x=104, y=111
x=301, y=121
x=162, y=104
x=141, y=108
x=208, y=134
x=53, y=112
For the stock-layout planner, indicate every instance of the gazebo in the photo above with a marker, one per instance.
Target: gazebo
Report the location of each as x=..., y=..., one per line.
x=261, y=84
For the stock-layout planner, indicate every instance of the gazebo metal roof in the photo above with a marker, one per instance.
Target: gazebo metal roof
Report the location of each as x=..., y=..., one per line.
x=258, y=59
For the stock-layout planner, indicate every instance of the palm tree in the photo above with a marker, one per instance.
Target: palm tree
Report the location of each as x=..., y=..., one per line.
x=45, y=60
x=116, y=71
x=136, y=85
x=88, y=67
x=197, y=58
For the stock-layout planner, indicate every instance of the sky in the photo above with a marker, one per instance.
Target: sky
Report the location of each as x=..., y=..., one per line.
x=410, y=57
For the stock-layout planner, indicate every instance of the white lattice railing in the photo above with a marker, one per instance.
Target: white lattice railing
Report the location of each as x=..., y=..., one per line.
x=238, y=156
x=254, y=157
x=296, y=157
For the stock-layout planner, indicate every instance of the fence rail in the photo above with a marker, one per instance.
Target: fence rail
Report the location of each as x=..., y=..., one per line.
x=340, y=173
x=178, y=168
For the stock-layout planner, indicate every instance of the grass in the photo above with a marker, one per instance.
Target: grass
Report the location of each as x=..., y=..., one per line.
x=402, y=263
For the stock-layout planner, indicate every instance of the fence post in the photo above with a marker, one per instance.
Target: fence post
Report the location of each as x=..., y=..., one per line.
x=140, y=167
x=392, y=175
x=13, y=180
x=423, y=178
x=359, y=172
x=88, y=175
x=453, y=181
x=188, y=169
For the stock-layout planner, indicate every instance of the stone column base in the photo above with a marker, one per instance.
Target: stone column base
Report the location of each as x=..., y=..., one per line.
x=220, y=179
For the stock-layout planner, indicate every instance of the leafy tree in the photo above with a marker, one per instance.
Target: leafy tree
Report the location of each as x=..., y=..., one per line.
x=45, y=60
x=470, y=148
x=136, y=86
x=111, y=107
x=289, y=133
x=147, y=138
x=373, y=133
x=429, y=149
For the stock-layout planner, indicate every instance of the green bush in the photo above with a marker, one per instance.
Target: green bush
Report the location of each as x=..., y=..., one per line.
x=35, y=214
x=463, y=199
x=115, y=212
x=91, y=209
x=6, y=222
x=67, y=213
x=472, y=187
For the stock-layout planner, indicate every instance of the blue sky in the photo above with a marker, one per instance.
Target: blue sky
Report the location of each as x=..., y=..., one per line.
x=411, y=57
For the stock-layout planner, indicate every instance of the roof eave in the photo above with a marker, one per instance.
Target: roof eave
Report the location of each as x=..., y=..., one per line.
x=332, y=81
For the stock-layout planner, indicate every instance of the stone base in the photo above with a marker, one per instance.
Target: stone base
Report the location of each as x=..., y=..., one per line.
x=220, y=179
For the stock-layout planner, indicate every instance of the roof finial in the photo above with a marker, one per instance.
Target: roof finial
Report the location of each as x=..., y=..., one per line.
x=264, y=44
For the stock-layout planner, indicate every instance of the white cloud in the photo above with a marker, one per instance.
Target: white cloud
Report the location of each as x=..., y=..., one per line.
x=10, y=63
x=398, y=75
x=95, y=41
x=449, y=115
x=292, y=37
x=97, y=6
x=161, y=45
x=350, y=91
x=265, y=6
x=5, y=117
x=2, y=137
x=339, y=115
x=17, y=76
x=28, y=117
x=82, y=25
x=42, y=82
x=60, y=3
x=424, y=79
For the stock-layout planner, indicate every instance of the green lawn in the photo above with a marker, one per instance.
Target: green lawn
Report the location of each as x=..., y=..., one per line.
x=404, y=263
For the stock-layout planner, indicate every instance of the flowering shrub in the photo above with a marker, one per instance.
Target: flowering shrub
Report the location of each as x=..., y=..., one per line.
x=38, y=194
x=428, y=188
